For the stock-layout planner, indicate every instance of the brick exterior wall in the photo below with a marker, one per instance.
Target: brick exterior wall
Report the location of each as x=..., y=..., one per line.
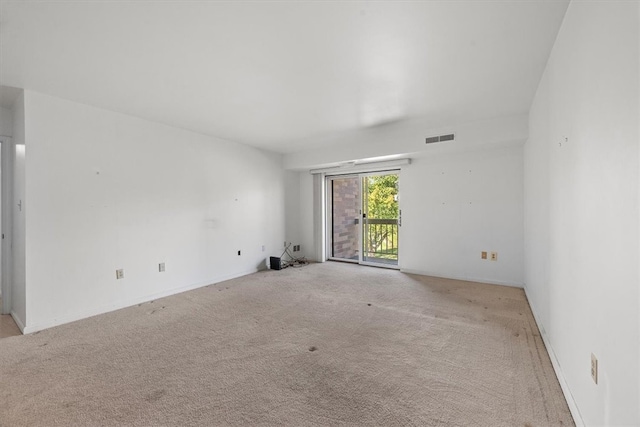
x=346, y=208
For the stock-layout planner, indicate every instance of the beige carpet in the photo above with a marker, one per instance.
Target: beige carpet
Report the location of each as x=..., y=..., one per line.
x=8, y=327
x=327, y=344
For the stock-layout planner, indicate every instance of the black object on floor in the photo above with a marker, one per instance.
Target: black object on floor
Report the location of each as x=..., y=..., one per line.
x=274, y=263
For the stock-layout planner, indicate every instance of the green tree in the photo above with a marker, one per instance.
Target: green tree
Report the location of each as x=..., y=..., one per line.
x=382, y=196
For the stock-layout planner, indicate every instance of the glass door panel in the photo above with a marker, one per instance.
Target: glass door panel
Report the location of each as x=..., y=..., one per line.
x=345, y=213
x=380, y=219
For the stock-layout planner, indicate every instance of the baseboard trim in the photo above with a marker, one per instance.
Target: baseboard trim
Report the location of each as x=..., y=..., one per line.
x=466, y=279
x=18, y=321
x=573, y=407
x=120, y=305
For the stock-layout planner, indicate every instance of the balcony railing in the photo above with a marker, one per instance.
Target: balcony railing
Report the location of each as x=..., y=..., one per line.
x=381, y=238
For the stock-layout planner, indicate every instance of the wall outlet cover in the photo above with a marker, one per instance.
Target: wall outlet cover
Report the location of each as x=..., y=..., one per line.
x=483, y=254
x=494, y=256
x=161, y=268
x=119, y=274
x=594, y=368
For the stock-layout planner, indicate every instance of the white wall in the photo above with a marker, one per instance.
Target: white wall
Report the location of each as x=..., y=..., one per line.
x=17, y=237
x=482, y=210
x=581, y=210
x=306, y=214
x=6, y=122
x=406, y=138
x=292, y=215
x=455, y=206
x=18, y=268
x=108, y=191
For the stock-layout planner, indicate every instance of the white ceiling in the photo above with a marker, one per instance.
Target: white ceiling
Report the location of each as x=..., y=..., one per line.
x=276, y=75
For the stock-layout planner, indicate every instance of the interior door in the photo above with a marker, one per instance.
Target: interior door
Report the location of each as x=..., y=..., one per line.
x=363, y=222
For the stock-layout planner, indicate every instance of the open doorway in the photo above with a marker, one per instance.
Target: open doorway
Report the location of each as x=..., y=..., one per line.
x=364, y=218
x=12, y=153
x=8, y=327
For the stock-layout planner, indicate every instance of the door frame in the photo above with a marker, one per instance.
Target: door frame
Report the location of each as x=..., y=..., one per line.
x=328, y=226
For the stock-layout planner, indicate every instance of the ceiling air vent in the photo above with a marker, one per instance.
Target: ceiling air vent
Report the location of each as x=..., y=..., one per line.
x=441, y=138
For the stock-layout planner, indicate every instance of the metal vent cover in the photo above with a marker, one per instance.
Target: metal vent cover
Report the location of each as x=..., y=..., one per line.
x=432, y=139
x=441, y=138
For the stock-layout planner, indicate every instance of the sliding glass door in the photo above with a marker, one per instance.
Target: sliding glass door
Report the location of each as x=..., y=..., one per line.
x=363, y=221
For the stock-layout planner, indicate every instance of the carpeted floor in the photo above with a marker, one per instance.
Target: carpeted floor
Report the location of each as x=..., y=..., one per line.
x=8, y=327
x=326, y=344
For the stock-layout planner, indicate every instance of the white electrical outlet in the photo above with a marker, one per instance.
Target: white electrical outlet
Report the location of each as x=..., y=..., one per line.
x=119, y=274
x=161, y=267
x=494, y=256
x=594, y=368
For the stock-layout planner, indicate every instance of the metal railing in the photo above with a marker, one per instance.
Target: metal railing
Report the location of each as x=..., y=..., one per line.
x=381, y=238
